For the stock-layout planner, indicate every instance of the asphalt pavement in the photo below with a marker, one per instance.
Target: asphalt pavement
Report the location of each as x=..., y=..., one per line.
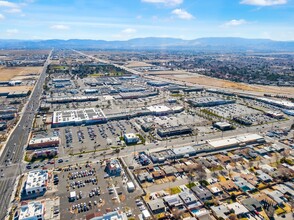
x=12, y=155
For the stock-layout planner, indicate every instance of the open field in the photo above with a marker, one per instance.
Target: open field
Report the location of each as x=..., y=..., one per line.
x=225, y=84
x=23, y=52
x=8, y=73
x=169, y=72
x=137, y=64
x=15, y=88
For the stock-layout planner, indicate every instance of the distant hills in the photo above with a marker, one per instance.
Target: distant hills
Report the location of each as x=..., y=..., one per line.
x=149, y=43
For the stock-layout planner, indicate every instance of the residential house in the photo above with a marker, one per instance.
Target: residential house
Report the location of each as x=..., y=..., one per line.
x=202, y=193
x=190, y=199
x=156, y=206
x=263, y=177
x=252, y=204
x=221, y=211
x=239, y=209
x=276, y=195
x=174, y=201
x=229, y=186
x=223, y=159
x=243, y=184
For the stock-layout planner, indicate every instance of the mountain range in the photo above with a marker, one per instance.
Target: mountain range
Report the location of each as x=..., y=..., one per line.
x=200, y=44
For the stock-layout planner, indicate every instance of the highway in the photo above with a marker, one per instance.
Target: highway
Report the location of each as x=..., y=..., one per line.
x=12, y=155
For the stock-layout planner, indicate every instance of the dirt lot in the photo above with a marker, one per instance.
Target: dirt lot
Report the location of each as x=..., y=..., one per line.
x=15, y=88
x=23, y=52
x=219, y=83
x=8, y=73
x=137, y=64
x=170, y=72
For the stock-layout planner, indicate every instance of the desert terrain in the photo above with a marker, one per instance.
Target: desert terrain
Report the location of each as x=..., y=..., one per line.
x=10, y=73
x=197, y=79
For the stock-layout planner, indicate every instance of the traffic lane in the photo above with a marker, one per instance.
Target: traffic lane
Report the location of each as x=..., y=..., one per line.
x=7, y=189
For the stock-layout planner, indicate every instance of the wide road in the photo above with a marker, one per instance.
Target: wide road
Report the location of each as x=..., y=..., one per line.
x=12, y=155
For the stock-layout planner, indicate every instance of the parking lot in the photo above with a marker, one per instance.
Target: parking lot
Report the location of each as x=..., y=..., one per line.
x=78, y=139
x=93, y=193
x=236, y=110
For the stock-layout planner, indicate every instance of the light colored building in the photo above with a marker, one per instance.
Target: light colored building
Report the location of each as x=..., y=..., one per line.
x=240, y=140
x=78, y=117
x=131, y=138
x=32, y=211
x=36, y=182
x=131, y=186
x=44, y=142
x=116, y=215
x=239, y=209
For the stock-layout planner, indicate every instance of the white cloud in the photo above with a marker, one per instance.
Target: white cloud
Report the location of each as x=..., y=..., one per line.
x=125, y=34
x=12, y=31
x=182, y=14
x=8, y=4
x=59, y=27
x=264, y=2
x=13, y=10
x=2, y=17
x=165, y=2
x=12, y=7
x=129, y=31
x=234, y=23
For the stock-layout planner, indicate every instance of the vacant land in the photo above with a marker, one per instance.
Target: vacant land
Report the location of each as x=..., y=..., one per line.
x=137, y=64
x=23, y=52
x=169, y=72
x=15, y=88
x=226, y=84
x=8, y=73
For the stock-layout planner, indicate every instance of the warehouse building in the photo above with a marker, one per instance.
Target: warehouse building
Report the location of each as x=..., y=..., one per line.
x=136, y=95
x=161, y=110
x=240, y=140
x=131, y=89
x=278, y=103
x=157, y=83
x=7, y=116
x=90, y=91
x=72, y=99
x=18, y=94
x=193, y=89
x=8, y=110
x=173, y=131
x=60, y=80
x=78, y=117
x=43, y=142
x=208, y=101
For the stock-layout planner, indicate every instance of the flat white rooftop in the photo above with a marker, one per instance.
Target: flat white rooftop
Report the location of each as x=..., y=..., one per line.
x=78, y=115
x=31, y=210
x=159, y=108
x=43, y=140
x=235, y=140
x=36, y=178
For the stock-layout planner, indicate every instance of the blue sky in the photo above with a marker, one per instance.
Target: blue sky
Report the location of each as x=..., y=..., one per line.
x=125, y=19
